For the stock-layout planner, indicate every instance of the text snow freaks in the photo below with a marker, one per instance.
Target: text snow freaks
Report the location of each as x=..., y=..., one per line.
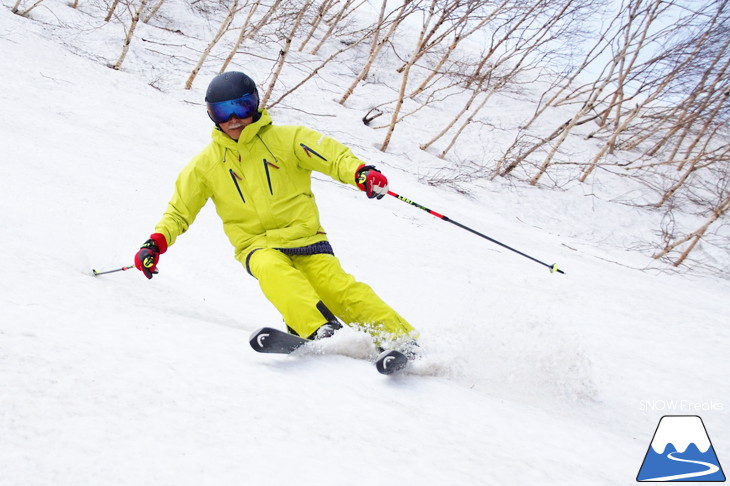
x=680, y=406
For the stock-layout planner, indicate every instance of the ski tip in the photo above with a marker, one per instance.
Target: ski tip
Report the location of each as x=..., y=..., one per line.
x=390, y=362
x=271, y=340
x=258, y=337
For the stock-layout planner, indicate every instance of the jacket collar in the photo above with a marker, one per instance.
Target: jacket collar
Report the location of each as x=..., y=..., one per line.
x=248, y=134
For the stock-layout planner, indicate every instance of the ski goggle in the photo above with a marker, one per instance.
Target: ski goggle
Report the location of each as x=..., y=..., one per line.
x=243, y=107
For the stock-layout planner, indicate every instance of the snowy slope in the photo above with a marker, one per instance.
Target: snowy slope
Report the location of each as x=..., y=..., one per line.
x=530, y=378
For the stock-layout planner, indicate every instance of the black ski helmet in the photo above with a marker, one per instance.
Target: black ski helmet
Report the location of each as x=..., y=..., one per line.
x=229, y=86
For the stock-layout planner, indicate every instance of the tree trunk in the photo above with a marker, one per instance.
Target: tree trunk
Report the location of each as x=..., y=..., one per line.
x=109, y=12
x=218, y=35
x=466, y=123
x=459, y=36
x=453, y=121
x=153, y=11
x=316, y=70
x=321, y=11
x=376, y=46
x=404, y=77
x=246, y=34
x=130, y=33
x=696, y=235
x=333, y=25
x=25, y=12
x=284, y=52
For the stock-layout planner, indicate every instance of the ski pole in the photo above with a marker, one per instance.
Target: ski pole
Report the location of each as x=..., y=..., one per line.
x=97, y=273
x=553, y=268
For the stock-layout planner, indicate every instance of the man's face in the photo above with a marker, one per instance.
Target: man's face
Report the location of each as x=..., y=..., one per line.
x=235, y=126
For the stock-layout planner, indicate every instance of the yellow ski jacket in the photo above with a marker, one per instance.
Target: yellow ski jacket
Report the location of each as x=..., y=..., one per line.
x=261, y=186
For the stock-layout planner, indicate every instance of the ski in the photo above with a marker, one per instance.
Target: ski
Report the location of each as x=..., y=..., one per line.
x=270, y=340
x=390, y=362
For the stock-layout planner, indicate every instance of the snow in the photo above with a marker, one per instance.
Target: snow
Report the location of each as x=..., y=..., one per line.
x=529, y=378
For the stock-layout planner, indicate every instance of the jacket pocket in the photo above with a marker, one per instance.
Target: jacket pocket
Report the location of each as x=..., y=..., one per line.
x=268, y=174
x=235, y=177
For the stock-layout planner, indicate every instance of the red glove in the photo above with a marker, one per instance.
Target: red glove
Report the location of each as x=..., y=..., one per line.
x=149, y=254
x=370, y=180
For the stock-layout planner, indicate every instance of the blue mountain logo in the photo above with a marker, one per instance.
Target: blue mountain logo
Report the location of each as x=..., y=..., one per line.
x=681, y=451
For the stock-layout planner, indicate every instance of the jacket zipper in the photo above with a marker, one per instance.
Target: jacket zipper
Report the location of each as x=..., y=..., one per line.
x=268, y=176
x=235, y=178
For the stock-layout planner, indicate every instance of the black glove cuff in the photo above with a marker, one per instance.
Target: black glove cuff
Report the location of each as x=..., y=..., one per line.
x=362, y=170
x=151, y=245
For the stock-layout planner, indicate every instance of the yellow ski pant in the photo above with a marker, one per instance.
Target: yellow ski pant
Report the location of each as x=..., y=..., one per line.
x=295, y=284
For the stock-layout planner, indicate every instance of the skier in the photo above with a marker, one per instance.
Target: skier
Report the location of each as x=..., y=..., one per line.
x=259, y=176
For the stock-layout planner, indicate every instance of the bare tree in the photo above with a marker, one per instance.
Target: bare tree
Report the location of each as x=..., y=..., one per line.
x=153, y=11
x=334, y=22
x=24, y=13
x=247, y=31
x=663, y=98
x=110, y=12
x=429, y=27
x=436, y=28
x=634, y=39
x=680, y=119
x=535, y=27
x=130, y=32
x=316, y=70
x=626, y=35
x=471, y=21
x=222, y=29
x=651, y=90
x=694, y=237
x=322, y=10
x=285, y=50
x=392, y=21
